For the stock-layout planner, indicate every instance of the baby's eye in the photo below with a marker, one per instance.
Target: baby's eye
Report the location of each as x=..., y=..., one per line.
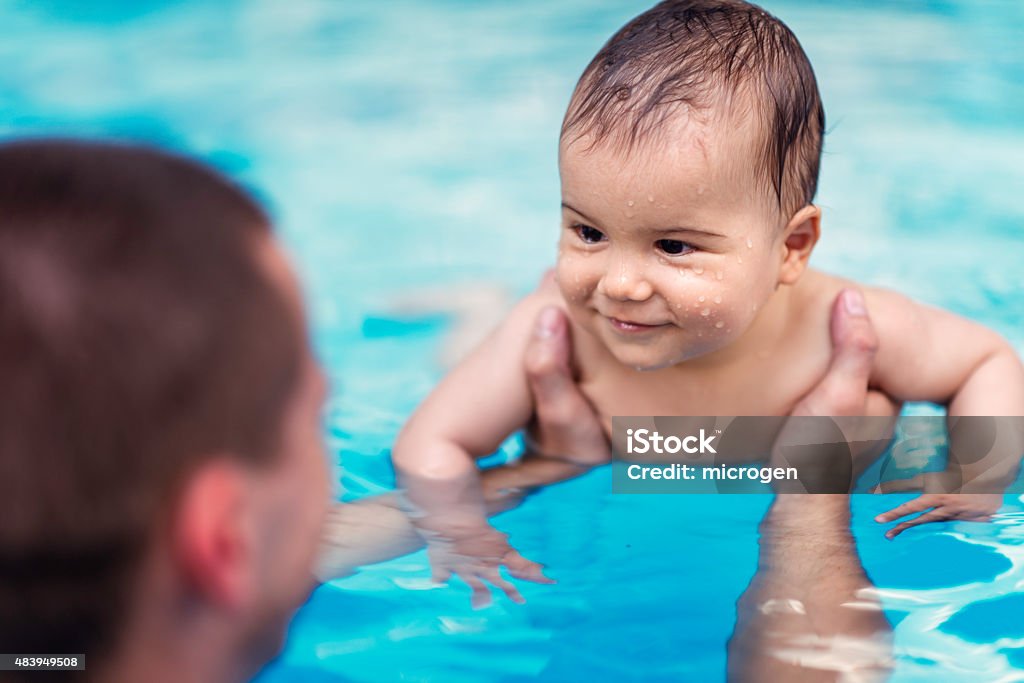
x=588, y=234
x=674, y=247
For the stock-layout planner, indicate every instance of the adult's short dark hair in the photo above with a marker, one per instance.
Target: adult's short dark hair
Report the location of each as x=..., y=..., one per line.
x=139, y=336
x=699, y=54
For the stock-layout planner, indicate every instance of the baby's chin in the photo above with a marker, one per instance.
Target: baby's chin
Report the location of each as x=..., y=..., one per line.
x=650, y=360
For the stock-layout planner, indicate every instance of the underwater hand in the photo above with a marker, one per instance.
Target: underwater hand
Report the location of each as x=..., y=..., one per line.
x=942, y=507
x=475, y=553
x=449, y=514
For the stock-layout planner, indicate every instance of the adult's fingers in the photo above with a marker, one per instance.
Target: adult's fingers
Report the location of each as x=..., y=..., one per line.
x=567, y=425
x=843, y=390
x=547, y=367
x=854, y=342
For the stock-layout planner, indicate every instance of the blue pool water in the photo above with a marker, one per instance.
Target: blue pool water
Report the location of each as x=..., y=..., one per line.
x=406, y=145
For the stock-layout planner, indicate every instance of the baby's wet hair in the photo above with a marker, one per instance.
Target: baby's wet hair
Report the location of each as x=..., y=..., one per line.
x=697, y=55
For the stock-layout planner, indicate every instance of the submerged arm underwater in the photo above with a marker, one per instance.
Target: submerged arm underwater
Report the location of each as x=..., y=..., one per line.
x=377, y=528
x=810, y=612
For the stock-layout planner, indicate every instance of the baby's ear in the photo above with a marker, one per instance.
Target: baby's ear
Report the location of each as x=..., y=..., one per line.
x=798, y=240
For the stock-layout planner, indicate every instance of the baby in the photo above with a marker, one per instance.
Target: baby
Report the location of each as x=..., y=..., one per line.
x=689, y=160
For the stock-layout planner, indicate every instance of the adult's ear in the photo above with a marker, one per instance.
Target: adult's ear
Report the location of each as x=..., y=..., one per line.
x=211, y=540
x=798, y=240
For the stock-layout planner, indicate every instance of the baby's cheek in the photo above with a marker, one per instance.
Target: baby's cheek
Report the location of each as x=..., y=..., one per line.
x=695, y=295
x=736, y=314
x=713, y=312
x=574, y=281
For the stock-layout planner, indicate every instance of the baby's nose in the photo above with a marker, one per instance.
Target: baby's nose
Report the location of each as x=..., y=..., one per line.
x=625, y=282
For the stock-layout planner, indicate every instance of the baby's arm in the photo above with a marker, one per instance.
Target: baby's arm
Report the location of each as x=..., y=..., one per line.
x=927, y=354
x=468, y=415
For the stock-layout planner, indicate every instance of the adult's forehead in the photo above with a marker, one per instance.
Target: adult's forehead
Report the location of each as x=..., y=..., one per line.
x=274, y=261
x=272, y=258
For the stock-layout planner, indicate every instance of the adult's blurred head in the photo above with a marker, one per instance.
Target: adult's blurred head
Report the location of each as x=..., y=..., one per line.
x=161, y=471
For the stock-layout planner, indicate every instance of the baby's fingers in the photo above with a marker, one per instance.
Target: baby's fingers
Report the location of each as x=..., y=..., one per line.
x=936, y=515
x=522, y=568
x=910, y=507
x=495, y=577
x=481, y=596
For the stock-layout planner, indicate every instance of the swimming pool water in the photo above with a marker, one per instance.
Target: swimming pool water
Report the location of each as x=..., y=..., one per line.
x=405, y=145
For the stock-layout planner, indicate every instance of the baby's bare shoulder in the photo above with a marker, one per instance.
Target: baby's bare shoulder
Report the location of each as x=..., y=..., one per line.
x=914, y=338
x=891, y=312
x=818, y=292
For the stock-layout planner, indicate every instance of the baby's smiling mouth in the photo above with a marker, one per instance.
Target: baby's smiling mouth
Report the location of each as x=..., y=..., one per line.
x=633, y=326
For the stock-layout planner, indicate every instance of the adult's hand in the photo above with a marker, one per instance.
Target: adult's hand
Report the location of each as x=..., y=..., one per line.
x=843, y=395
x=566, y=427
x=843, y=391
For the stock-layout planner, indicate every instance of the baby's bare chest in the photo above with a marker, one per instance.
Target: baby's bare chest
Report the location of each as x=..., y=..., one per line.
x=770, y=386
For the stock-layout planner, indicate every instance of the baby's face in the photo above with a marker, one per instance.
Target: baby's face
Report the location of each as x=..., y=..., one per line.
x=666, y=253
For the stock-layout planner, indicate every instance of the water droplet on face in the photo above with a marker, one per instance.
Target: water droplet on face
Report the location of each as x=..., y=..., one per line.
x=750, y=243
x=705, y=312
x=718, y=299
x=739, y=259
x=720, y=324
x=719, y=275
x=650, y=198
x=698, y=270
x=701, y=298
x=630, y=203
x=700, y=190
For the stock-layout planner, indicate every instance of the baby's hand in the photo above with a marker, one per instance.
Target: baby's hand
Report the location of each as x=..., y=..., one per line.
x=475, y=552
x=971, y=507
